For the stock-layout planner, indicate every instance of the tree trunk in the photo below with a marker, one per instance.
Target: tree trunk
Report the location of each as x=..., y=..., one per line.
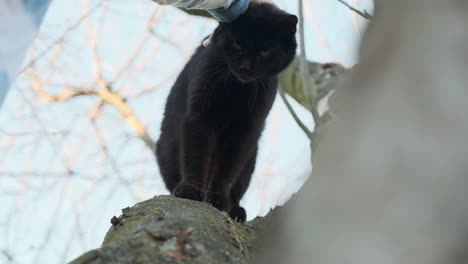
x=166, y=229
x=390, y=174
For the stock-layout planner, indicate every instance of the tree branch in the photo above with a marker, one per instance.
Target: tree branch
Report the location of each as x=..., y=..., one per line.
x=114, y=99
x=167, y=229
x=57, y=42
x=108, y=96
x=309, y=88
x=68, y=92
x=363, y=14
x=294, y=115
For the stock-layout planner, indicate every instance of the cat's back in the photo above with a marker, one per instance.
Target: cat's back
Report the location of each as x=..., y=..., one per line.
x=179, y=91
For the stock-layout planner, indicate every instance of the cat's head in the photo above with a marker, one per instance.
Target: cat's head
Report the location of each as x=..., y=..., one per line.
x=260, y=43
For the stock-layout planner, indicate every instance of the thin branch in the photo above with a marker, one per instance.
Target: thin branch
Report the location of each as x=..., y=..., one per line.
x=151, y=88
x=8, y=256
x=105, y=150
x=66, y=95
x=62, y=38
x=52, y=140
x=29, y=133
x=151, y=26
x=120, y=104
x=108, y=96
x=363, y=14
x=294, y=115
x=310, y=89
x=93, y=113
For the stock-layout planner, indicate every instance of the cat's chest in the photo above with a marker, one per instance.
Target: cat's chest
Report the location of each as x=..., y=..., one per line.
x=237, y=100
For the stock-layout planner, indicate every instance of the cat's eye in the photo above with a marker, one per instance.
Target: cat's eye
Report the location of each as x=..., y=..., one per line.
x=265, y=53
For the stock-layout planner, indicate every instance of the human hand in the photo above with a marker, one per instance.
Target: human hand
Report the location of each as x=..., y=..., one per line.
x=207, y=41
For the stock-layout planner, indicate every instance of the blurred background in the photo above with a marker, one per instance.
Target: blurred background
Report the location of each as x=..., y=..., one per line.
x=89, y=99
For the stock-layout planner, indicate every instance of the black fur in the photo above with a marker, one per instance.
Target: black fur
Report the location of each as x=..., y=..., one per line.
x=217, y=108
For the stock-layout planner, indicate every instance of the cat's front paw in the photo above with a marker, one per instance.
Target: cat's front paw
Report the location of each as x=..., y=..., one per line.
x=189, y=191
x=218, y=200
x=238, y=214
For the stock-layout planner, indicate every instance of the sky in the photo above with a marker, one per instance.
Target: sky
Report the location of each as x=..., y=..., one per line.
x=63, y=174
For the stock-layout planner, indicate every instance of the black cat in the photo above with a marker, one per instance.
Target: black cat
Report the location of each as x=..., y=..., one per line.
x=217, y=108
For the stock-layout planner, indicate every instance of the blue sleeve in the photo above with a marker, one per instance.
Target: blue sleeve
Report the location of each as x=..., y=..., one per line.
x=19, y=23
x=229, y=14
x=222, y=10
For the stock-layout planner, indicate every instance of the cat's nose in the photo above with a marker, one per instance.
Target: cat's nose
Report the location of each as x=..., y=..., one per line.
x=245, y=67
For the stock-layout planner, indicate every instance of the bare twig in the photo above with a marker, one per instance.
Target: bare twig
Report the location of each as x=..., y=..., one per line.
x=310, y=89
x=8, y=256
x=152, y=23
x=361, y=13
x=108, y=155
x=294, y=115
x=29, y=133
x=62, y=37
x=107, y=95
x=127, y=113
x=67, y=94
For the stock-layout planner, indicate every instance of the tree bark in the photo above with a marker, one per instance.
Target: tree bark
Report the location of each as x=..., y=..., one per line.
x=166, y=229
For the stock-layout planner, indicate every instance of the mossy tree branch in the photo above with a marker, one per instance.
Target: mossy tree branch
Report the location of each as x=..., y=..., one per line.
x=167, y=229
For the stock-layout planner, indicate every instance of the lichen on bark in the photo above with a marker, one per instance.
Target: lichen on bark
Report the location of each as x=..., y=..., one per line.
x=166, y=229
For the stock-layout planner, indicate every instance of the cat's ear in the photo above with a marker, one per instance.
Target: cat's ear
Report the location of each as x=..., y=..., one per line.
x=219, y=37
x=291, y=22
